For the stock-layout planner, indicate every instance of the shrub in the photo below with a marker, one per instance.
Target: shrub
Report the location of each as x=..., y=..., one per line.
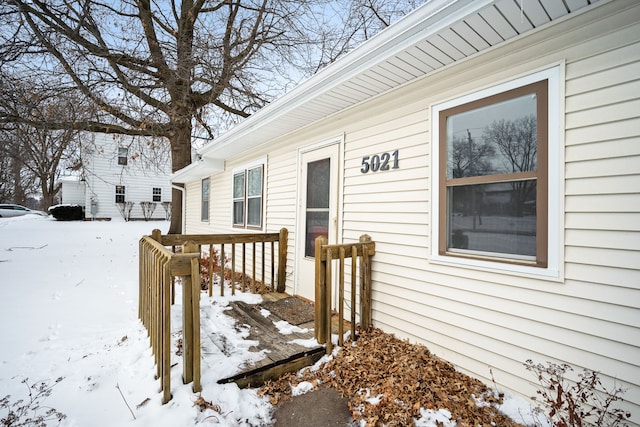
x=67, y=212
x=576, y=404
x=30, y=412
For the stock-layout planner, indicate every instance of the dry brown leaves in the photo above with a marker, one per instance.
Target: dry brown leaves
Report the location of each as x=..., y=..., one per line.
x=403, y=377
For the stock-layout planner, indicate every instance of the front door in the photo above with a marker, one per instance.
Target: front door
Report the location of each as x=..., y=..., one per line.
x=318, y=211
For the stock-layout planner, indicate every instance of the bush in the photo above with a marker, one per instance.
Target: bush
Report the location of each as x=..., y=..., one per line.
x=576, y=404
x=67, y=212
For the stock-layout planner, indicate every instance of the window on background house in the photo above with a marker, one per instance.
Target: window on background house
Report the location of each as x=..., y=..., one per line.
x=123, y=153
x=247, y=197
x=204, y=207
x=120, y=194
x=493, y=176
x=157, y=194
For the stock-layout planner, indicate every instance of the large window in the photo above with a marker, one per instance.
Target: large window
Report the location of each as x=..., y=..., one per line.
x=493, y=176
x=247, y=196
x=204, y=207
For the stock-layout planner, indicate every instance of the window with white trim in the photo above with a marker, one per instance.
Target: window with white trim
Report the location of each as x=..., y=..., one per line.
x=157, y=194
x=204, y=205
x=247, y=201
x=493, y=175
x=120, y=193
x=123, y=154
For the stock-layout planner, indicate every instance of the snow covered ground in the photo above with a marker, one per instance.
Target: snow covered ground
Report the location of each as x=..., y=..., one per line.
x=68, y=309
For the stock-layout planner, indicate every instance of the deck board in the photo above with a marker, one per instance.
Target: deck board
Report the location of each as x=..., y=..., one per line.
x=281, y=355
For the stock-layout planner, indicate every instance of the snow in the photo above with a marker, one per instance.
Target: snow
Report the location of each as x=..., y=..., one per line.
x=69, y=309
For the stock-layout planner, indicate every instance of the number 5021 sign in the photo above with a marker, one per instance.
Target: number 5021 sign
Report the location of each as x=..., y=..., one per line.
x=380, y=162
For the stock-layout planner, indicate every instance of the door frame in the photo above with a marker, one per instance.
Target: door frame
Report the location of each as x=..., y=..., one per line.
x=300, y=190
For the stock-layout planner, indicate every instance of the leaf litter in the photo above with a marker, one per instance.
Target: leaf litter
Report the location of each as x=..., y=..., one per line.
x=390, y=382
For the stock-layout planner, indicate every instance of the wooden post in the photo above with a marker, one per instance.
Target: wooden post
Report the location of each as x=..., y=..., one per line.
x=327, y=302
x=341, y=300
x=210, y=270
x=244, y=266
x=187, y=318
x=354, y=279
x=195, y=311
x=282, y=259
x=233, y=269
x=222, y=270
x=166, y=333
x=365, y=283
x=156, y=235
x=320, y=285
x=264, y=279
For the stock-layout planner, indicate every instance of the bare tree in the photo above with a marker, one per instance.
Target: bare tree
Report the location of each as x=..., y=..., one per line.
x=37, y=153
x=166, y=69
x=516, y=140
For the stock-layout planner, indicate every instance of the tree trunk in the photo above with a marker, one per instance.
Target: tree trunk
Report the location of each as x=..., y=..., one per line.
x=180, y=157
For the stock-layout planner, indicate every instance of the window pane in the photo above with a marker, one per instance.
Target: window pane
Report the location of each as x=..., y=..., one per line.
x=317, y=225
x=254, y=211
x=205, y=189
x=238, y=186
x=493, y=219
x=238, y=212
x=494, y=139
x=318, y=183
x=254, y=187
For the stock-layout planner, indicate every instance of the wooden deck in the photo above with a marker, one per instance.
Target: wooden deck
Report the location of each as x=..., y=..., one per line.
x=281, y=355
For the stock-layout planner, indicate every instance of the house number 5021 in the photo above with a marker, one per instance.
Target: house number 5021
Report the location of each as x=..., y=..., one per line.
x=380, y=162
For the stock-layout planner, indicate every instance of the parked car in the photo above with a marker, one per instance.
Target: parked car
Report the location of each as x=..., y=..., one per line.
x=8, y=210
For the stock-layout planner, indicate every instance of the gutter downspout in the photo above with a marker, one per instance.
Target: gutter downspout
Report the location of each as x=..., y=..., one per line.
x=184, y=201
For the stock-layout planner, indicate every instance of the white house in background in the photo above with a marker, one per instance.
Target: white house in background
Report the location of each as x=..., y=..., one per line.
x=491, y=149
x=118, y=169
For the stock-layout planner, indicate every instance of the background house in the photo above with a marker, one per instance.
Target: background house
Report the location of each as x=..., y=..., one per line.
x=116, y=169
x=368, y=145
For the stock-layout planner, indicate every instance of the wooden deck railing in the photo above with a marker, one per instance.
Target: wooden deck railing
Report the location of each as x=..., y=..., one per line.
x=159, y=266
x=325, y=254
x=260, y=246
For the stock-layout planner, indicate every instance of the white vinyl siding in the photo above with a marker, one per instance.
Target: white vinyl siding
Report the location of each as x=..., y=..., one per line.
x=104, y=173
x=480, y=320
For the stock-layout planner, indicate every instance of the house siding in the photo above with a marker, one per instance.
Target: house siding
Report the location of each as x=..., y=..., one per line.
x=485, y=322
x=103, y=174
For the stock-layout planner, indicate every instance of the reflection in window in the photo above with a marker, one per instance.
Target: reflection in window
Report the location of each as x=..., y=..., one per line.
x=123, y=153
x=317, y=203
x=493, y=177
x=204, y=205
x=247, y=197
x=120, y=194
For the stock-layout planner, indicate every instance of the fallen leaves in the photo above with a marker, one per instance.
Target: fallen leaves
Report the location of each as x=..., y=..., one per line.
x=388, y=381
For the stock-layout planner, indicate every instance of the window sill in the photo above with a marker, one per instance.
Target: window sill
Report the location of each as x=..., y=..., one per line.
x=547, y=274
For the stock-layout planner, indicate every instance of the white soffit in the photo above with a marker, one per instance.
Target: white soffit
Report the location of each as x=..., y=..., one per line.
x=436, y=34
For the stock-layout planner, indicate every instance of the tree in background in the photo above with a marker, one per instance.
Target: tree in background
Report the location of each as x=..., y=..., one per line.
x=175, y=70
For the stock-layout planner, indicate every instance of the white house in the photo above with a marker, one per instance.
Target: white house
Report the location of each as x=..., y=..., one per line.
x=491, y=149
x=117, y=169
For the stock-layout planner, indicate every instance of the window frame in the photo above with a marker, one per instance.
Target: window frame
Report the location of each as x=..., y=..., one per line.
x=120, y=192
x=156, y=194
x=547, y=175
x=123, y=159
x=244, y=171
x=205, y=197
